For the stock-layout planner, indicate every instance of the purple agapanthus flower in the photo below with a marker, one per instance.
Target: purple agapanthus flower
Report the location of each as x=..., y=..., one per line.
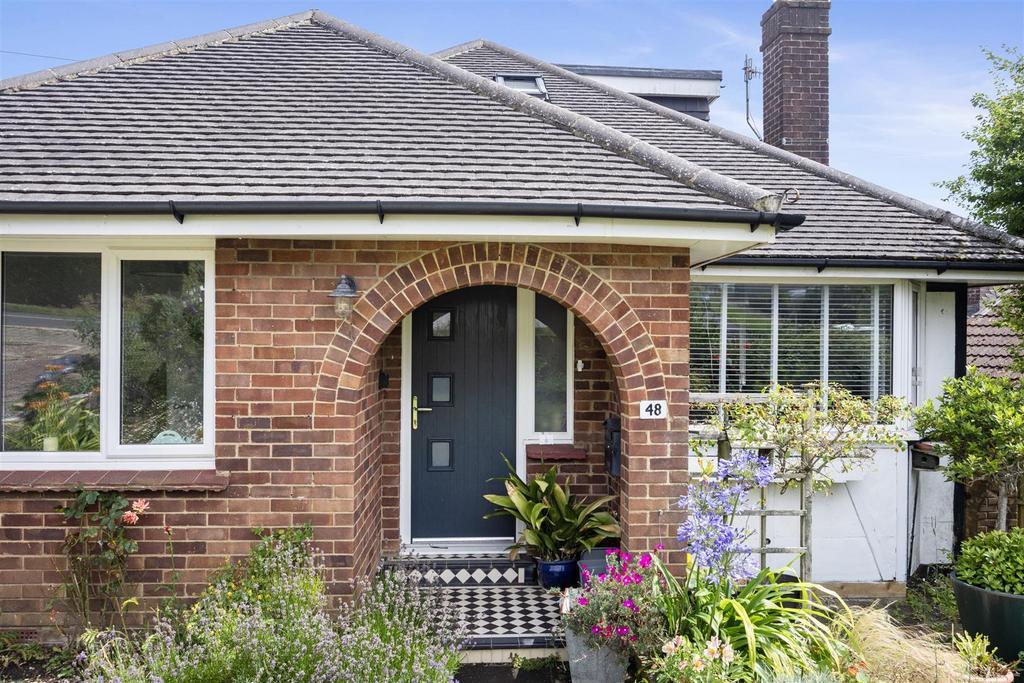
x=715, y=544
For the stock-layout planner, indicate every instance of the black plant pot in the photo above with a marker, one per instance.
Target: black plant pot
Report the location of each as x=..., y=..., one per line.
x=1000, y=616
x=560, y=574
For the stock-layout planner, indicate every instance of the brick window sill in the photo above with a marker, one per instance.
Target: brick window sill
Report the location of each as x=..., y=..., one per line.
x=113, y=480
x=555, y=451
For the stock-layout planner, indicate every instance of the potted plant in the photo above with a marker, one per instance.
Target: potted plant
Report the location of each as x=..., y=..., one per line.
x=989, y=586
x=979, y=424
x=557, y=526
x=614, y=621
x=981, y=659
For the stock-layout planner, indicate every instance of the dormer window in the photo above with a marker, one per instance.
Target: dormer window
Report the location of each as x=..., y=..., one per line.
x=530, y=84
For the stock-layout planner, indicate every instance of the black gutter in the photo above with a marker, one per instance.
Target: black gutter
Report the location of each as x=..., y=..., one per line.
x=822, y=263
x=577, y=210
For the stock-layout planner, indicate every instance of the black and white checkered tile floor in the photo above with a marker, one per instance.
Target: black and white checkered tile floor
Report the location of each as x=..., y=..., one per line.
x=508, y=616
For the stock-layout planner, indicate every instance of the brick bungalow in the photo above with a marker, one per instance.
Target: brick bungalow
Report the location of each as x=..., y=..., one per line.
x=304, y=274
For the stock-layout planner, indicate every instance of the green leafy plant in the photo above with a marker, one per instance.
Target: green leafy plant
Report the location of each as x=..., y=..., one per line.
x=979, y=655
x=993, y=560
x=979, y=424
x=811, y=431
x=930, y=602
x=55, y=414
x=773, y=627
x=97, y=552
x=558, y=525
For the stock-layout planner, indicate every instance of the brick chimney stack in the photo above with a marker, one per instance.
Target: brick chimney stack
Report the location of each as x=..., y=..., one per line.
x=794, y=46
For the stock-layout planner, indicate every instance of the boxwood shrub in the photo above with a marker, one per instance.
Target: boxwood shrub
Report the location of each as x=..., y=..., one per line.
x=994, y=560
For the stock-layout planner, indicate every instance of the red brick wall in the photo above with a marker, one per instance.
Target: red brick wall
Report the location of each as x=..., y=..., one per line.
x=794, y=46
x=304, y=435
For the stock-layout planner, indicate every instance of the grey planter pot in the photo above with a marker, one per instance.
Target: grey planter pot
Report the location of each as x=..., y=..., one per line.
x=589, y=665
x=1000, y=616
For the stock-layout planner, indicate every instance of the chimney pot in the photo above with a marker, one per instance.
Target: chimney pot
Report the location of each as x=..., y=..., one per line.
x=794, y=47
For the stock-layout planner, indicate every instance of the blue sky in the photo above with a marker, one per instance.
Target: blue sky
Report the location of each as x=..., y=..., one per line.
x=903, y=71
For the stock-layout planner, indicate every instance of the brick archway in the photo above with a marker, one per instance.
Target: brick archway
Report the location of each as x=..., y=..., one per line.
x=635, y=360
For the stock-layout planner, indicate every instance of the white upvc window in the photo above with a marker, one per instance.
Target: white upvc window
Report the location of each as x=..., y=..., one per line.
x=544, y=369
x=106, y=356
x=746, y=337
x=529, y=84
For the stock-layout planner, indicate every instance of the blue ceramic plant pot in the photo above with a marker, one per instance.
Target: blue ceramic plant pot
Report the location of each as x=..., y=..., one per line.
x=560, y=574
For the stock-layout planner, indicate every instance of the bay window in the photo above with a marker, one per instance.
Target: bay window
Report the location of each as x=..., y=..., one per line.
x=106, y=358
x=746, y=337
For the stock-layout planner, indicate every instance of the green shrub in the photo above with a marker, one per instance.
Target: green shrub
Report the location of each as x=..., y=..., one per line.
x=266, y=620
x=994, y=560
x=557, y=526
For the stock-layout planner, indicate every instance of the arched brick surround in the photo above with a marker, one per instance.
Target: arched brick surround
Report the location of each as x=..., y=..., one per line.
x=652, y=449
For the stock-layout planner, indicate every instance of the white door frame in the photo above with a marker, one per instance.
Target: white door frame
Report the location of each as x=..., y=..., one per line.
x=523, y=419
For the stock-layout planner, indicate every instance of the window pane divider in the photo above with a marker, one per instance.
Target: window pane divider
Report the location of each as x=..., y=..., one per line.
x=875, y=343
x=774, y=353
x=723, y=337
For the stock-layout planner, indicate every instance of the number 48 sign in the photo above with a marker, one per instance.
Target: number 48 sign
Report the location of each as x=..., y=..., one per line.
x=653, y=410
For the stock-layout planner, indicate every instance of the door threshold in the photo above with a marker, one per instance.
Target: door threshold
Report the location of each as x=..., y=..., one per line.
x=462, y=546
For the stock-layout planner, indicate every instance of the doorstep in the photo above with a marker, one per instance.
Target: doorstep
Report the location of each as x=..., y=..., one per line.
x=508, y=617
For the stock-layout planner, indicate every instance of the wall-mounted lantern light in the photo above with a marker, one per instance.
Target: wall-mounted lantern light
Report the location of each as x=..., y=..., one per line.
x=344, y=295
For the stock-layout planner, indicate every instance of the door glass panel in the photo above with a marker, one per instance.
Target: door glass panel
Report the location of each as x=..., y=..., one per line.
x=440, y=389
x=162, y=305
x=550, y=375
x=440, y=455
x=50, y=352
x=441, y=324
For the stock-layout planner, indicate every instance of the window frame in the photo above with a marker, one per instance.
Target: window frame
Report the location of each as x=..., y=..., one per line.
x=112, y=454
x=540, y=90
x=775, y=284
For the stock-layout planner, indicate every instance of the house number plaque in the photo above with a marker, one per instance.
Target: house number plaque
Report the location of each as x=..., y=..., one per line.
x=653, y=410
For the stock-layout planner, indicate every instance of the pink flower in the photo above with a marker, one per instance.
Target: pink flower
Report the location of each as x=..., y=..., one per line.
x=660, y=546
x=582, y=601
x=610, y=551
x=595, y=629
x=622, y=631
x=129, y=517
x=140, y=506
x=645, y=560
x=168, y=530
x=629, y=604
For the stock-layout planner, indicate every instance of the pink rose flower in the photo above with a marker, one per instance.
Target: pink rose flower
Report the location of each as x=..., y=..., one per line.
x=140, y=506
x=129, y=517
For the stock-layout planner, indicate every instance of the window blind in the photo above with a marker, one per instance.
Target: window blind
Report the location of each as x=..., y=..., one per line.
x=791, y=334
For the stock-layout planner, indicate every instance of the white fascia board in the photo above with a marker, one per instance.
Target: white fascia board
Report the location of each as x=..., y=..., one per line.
x=667, y=87
x=714, y=273
x=706, y=240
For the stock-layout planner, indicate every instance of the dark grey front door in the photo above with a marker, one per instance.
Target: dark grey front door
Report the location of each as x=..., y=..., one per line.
x=464, y=372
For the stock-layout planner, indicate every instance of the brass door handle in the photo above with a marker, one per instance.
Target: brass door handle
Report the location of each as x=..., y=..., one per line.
x=416, y=410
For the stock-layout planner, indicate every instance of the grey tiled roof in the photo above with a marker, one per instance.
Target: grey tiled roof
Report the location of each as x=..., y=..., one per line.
x=307, y=107
x=989, y=344
x=846, y=217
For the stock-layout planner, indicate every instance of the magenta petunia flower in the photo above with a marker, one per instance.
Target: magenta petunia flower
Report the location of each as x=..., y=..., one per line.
x=583, y=600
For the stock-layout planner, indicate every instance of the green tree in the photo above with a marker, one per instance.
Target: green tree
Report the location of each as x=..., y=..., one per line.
x=979, y=424
x=992, y=190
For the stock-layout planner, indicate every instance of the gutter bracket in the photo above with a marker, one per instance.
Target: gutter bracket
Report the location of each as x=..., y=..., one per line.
x=380, y=212
x=178, y=215
x=755, y=224
x=942, y=269
x=579, y=213
x=823, y=265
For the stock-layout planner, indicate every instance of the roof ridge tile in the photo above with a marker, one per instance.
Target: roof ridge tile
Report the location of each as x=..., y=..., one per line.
x=164, y=49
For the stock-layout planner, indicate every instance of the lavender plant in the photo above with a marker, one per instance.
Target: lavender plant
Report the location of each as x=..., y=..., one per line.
x=399, y=631
x=267, y=620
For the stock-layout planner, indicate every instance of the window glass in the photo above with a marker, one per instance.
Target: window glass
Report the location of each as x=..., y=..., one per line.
x=748, y=338
x=440, y=389
x=705, y=334
x=550, y=361
x=850, y=330
x=162, y=306
x=441, y=324
x=440, y=455
x=50, y=352
x=799, y=334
